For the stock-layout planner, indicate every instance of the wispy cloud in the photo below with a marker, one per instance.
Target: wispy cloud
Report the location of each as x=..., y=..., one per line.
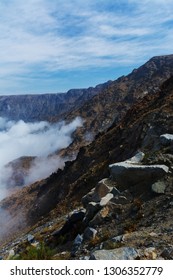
x=39, y=37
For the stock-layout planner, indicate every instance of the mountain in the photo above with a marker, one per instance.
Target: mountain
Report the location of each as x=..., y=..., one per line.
x=111, y=103
x=126, y=213
x=45, y=106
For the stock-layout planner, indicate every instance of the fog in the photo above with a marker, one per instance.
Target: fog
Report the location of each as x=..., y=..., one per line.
x=40, y=140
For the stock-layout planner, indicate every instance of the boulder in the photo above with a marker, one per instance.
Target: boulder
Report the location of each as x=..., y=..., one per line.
x=123, y=253
x=127, y=174
x=159, y=187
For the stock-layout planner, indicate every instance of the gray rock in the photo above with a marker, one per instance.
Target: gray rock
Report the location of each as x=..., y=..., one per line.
x=89, y=233
x=159, y=187
x=115, y=191
x=128, y=174
x=92, y=209
x=99, y=217
x=136, y=159
x=166, y=139
x=75, y=217
x=76, y=245
x=118, y=238
x=123, y=253
x=106, y=199
x=78, y=240
x=90, y=197
x=30, y=238
x=95, y=195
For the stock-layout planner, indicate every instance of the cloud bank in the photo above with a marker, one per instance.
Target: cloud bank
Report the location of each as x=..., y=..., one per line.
x=40, y=140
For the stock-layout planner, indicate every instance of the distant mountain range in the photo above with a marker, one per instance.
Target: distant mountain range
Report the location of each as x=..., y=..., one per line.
x=45, y=106
x=127, y=116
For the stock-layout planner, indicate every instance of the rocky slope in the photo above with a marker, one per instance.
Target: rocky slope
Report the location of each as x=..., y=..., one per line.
x=73, y=211
x=111, y=103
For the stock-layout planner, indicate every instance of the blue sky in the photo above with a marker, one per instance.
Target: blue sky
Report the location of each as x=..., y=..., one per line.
x=54, y=45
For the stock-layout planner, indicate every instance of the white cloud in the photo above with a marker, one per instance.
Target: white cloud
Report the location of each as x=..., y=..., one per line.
x=39, y=140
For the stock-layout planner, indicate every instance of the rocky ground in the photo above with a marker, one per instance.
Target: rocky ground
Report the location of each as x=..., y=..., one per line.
x=114, y=221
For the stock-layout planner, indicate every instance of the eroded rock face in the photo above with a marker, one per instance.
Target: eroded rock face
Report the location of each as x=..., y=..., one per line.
x=127, y=174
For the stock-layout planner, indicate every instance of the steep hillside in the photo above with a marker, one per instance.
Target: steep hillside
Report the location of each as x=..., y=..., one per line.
x=111, y=104
x=122, y=216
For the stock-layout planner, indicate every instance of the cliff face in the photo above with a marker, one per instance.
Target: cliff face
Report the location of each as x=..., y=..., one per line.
x=45, y=106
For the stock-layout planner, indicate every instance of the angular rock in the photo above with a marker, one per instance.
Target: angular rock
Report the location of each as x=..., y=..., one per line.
x=159, y=187
x=136, y=158
x=78, y=240
x=99, y=217
x=115, y=191
x=128, y=174
x=118, y=238
x=92, y=209
x=106, y=199
x=89, y=233
x=89, y=197
x=102, y=188
x=166, y=139
x=123, y=253
x=76, y=216
x=30, y=238
x=95, y=195
x=76, y=245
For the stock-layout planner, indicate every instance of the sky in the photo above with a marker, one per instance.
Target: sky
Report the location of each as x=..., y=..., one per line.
x=53, y=46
